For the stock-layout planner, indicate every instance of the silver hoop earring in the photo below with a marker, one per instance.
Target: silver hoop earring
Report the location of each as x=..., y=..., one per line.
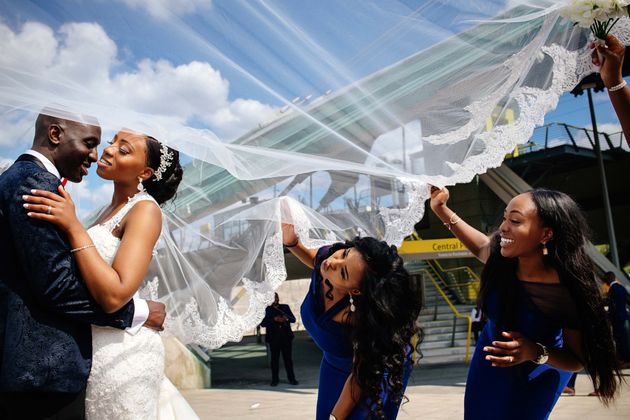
x=140, y=185
x=352, y=307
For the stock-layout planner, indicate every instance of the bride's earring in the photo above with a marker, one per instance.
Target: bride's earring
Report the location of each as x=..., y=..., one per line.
x=352, y=307
x=140, y=185
x=545, y=251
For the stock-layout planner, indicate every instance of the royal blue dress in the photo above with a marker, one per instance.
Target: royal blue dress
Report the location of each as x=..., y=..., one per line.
x=333, y=339
x=525, y=391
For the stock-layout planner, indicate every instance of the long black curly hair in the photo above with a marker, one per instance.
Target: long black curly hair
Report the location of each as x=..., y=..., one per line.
x=384, y=322
x=568, y=256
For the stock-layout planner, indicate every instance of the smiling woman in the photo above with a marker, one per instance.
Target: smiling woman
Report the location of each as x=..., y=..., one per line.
x=545, y=311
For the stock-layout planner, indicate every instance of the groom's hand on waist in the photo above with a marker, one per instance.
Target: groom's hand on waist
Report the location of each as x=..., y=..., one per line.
x=157, y=314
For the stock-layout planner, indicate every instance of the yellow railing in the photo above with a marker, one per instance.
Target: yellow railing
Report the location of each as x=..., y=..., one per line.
x=472, y=286
x=454, y=309
x=414, y=343
x=462, y=268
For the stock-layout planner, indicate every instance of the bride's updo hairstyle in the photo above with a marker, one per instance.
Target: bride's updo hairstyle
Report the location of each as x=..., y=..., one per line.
x=168, y=171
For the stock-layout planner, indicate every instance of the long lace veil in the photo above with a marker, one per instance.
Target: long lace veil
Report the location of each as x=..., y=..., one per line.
x=330, y=115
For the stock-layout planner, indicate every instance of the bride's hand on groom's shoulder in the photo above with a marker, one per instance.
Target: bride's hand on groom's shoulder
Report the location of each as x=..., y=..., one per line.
x=50, y=207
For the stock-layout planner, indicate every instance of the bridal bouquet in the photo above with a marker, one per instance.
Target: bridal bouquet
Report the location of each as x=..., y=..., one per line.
x=599, y=15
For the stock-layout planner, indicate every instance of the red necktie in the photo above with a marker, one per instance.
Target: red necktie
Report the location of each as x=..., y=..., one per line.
x=64, y=181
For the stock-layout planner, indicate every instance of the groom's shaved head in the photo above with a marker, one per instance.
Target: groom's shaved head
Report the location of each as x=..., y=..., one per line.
x=62, y=119
x=68, y=140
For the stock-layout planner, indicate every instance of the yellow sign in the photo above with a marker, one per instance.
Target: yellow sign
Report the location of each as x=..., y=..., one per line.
x=435, y=249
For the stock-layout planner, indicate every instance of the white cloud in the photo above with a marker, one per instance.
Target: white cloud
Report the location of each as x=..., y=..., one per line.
x=17, y=128
x=615, y=133
x=5, y=163
x=85, y=56
x=241, y=113
x=582, y=140
x=33, y=47
x=188, y=90
x=164, y=9
x=609, y=128
x=80, y=62
x=601, y=97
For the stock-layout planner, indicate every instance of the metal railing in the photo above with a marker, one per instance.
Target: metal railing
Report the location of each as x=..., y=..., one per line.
x=456, y=313
x=557, y=134
x=463, y=282
x=436, y=279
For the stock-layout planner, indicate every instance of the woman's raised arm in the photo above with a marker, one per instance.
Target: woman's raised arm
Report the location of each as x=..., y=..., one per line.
x=477, y=242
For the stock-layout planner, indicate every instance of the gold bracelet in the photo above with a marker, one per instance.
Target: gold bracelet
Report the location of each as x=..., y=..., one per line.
x=452, y=222
x=81, y=248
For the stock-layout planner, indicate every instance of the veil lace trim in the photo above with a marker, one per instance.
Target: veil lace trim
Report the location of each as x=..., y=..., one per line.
x=569, y=67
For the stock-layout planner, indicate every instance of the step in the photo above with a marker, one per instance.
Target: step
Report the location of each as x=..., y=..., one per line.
x=442, y=344
x=443, y=308
x=460, y=324
x=459, y=335
x=443, y=330
x=430, y=317
x=442, y=323
x=446, y=351
x=446, y=316
x=440, y=317
x=442, y=360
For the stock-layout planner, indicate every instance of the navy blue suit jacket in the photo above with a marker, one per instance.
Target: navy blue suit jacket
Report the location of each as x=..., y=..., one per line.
x=45, y=308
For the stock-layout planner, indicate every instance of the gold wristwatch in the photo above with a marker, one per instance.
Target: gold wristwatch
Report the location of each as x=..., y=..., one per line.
x=543, y=355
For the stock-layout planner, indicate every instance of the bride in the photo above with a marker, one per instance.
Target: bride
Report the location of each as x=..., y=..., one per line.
x=127, y=378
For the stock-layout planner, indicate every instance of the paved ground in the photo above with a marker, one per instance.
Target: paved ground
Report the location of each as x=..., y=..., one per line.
x=241, y=390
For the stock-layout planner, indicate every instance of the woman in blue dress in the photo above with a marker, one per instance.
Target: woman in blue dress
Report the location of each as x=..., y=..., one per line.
x=362, y=310
x=545, y=312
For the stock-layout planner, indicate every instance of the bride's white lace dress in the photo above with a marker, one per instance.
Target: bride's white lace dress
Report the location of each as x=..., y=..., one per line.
x=127, y=378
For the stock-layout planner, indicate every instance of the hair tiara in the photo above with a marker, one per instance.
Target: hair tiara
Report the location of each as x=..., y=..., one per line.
x=166, y=158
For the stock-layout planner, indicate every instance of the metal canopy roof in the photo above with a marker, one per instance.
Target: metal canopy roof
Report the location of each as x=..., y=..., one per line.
x=361, y=112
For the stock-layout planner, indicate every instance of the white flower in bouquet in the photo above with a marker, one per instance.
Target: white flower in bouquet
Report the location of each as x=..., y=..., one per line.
x=599, y=15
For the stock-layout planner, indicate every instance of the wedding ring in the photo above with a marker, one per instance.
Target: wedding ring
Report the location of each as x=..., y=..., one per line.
x=49, y=210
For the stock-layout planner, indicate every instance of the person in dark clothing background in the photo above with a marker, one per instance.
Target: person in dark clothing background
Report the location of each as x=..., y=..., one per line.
x=618, y=318
x=277, y=321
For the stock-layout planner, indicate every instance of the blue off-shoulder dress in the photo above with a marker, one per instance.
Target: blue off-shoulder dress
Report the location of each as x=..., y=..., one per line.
x=333, y=339
x=525, y=391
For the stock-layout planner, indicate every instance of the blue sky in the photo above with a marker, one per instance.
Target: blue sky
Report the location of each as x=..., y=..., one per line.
x=230, y=65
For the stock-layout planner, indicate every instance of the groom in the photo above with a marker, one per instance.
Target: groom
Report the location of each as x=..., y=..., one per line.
x=45, y=309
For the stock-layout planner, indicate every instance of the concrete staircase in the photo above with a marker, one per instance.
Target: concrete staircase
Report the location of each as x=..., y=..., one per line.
x=444, y=334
